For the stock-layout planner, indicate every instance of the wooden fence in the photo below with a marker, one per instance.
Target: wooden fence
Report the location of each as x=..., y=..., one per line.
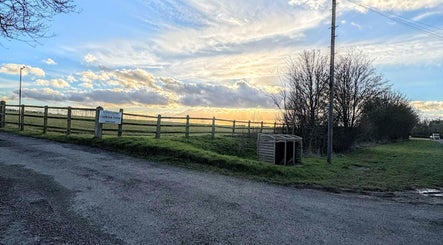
x=72, y=120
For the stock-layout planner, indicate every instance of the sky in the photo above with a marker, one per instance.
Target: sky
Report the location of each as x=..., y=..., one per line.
x=218, y=58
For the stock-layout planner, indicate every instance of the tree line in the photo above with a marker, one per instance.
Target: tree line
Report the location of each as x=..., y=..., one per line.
x=427, y=127
x=365, y=107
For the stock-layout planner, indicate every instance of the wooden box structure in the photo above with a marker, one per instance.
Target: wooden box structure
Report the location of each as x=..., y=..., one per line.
x=281, y=149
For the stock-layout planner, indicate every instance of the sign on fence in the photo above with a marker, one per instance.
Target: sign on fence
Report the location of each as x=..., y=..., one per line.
x=42, y=116
x=110, y=117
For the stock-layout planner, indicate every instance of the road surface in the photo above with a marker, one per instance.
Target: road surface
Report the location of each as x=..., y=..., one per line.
x=62, y=193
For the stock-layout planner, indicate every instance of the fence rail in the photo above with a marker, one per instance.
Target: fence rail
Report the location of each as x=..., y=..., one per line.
x=73, y=120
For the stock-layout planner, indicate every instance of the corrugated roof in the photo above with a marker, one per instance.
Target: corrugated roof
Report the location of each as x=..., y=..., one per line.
x=284, y=137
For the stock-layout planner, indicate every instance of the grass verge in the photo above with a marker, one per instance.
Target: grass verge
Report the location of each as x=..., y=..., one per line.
x=391, y=167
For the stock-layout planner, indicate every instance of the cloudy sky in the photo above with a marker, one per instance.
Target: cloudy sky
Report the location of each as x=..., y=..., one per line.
x=211, y=57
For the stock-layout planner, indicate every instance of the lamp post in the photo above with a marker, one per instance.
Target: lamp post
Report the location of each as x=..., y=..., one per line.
x=20, y=108
x=20, y=89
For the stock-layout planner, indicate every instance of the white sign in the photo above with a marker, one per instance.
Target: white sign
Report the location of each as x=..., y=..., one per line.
x=110, y=117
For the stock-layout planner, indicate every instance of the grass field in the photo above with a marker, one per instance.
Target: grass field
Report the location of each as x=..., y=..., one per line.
x=399, y=166
x=83, y=122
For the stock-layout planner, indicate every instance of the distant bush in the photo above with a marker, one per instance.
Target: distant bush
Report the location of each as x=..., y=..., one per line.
x=388, y=118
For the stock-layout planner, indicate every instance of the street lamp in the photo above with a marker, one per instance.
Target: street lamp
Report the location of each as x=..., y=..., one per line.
x=20, y=101
x=20, y=90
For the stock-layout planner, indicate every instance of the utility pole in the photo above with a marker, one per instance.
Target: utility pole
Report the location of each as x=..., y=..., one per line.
x=331, y=84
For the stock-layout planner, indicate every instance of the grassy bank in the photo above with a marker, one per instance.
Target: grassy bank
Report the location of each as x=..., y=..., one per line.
x=399, y=166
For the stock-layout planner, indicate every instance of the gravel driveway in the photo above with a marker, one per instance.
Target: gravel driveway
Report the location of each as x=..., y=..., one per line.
x=53, y=193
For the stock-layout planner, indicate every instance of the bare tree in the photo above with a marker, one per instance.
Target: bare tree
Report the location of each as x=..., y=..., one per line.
x=356, y=82
x=27, y=19
x=302, y=98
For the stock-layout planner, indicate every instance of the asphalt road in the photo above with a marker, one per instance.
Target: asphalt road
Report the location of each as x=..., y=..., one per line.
x=62, y=193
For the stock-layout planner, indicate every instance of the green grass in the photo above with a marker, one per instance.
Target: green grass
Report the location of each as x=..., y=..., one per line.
x=405, y=165
x=240, y=146
x=399, y=166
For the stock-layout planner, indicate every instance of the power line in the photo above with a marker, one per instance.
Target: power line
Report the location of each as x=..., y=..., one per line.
x=428, y=29
x=423, y=27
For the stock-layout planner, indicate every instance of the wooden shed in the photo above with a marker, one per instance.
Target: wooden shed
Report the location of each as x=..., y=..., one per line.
x=281, y=149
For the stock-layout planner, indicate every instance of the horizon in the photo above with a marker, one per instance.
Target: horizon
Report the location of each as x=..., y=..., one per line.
x=178, y=57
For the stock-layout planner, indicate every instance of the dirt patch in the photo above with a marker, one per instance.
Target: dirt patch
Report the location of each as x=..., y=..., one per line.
x=36, y=210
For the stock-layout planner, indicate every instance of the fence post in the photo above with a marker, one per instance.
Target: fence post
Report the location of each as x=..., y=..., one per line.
x=293, y=128
x=158, y=131
x=275, y=126
x=120, y=126
x=233, y=127
x=213, y=128
x=45, y=120
x=187, y=127
x=98, y=126
x=261, y=127
x=249, y=127
x=22, y=118
x=68, y=121
x=2, y=114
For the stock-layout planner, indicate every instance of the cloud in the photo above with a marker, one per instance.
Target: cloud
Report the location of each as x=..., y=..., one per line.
x=401, y=5
x=428, y=105
x=198, y=39
x=402, y=50
x=139, y=86
x=386, y=5
x=10, y=69
x=50, y=61
x=134, y=97
x=89, y=58
x=239, y=95
x=251, y=27
x=58, y=83
x=141, y=96
x=34, y=71
x=240, y=28
x=429, y=109
x=248, y=65
x=91, y=76
x=71, y=78
x=125, y=53
x=426, y=15
x=45, y=94
x=230, y=40
x=87, y=85
x=133, y=78
x=356, y=25
x=126, y=78
x=313, y=4
x=243, y=40
x=14, y=69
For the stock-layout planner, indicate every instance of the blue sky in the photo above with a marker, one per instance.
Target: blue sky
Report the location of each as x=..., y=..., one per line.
x=222, y=58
